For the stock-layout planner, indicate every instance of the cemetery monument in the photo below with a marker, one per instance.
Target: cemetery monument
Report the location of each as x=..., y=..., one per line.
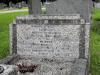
x=56, y=43
x=34, y=6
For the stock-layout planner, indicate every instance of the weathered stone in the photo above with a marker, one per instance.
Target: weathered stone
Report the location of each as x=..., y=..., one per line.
x=1, y=69
x=58, y=44
x=63, y=7
x=9, y=70
x=9, y=59
x=79, y=67
x=53, y=42
x=66, y=36
x=34, y=7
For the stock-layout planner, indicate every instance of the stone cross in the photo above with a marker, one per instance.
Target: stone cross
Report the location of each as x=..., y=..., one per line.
x=34, y=6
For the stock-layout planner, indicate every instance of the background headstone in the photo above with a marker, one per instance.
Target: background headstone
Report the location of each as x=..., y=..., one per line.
x=97, y=5
x=63, y=7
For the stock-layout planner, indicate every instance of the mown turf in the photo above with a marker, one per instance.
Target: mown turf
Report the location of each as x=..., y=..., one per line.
x=95, y=43
x=96, y=14
x=5, y=20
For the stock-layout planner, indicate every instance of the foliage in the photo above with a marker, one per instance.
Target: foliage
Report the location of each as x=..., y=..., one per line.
x=96, y=0
x=2, y=5
x=96, y=21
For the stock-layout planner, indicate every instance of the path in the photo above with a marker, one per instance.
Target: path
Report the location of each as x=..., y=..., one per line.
x=12, y=11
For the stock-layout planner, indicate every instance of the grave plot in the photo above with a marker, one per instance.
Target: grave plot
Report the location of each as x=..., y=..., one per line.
x=49, y=45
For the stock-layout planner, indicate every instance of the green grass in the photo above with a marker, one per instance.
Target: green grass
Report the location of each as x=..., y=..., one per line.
x=5, y=20
x=96, y=14
x=95, y=44
x=95, y=54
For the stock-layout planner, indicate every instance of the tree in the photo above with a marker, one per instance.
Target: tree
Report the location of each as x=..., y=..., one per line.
x=96, y=0
x=13, y=1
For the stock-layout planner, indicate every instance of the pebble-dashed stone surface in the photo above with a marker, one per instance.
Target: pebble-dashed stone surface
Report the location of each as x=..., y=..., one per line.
x=48, y=40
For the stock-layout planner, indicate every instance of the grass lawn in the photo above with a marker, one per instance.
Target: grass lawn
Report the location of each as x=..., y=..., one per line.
x=5, y=20
x=95, y=44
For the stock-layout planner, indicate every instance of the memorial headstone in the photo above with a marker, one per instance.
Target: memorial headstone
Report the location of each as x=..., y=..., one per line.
x=97, y=5
x=23, y=4
x=51, y=45
x=18, y=5
x=55, y=43
x=63, y=7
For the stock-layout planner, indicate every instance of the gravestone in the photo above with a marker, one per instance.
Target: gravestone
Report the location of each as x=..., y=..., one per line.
x=97, y=5
x=63, y=7
x=18, y=5
x=47, y=36
x=56, y=43
x=82, y=7
x=23, y=4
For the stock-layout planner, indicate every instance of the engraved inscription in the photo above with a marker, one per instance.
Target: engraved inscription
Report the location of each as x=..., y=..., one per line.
x=48, y=40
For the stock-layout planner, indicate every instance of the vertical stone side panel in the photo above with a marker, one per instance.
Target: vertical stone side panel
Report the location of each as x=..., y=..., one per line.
x=13, y=38
x=10, y=37
x=87, y=39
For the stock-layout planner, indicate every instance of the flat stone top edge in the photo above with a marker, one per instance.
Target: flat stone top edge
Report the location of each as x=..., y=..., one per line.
x=69, y=16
